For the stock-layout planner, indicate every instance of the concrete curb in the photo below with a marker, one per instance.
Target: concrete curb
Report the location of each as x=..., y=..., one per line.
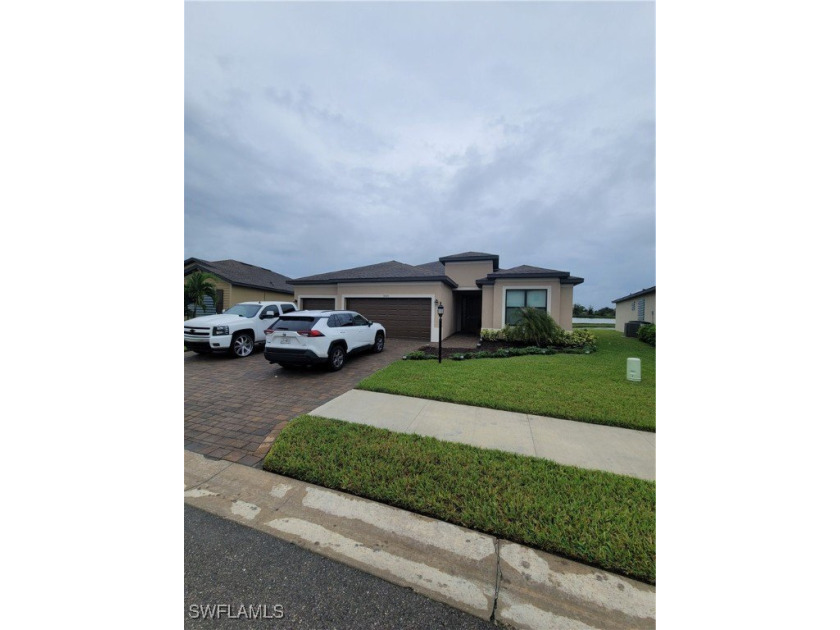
x=479, y=574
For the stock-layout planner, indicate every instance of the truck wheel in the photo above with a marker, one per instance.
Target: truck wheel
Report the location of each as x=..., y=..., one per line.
x=336, y=358
x=242, y=345
x=379, y=344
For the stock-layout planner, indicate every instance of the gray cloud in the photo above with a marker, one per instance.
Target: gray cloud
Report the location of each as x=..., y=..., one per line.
x=325, y=136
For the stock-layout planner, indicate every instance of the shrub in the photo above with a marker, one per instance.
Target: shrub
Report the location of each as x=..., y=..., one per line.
x=573, y=339
x=536, y=328
x=418, y=355
x=492, y=334
x=647, y=333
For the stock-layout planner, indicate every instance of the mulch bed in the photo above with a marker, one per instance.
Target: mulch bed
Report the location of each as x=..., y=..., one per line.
x=448, y=352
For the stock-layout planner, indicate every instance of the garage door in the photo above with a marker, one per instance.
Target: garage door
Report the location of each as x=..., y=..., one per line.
x=406, y=318
x=317, y=304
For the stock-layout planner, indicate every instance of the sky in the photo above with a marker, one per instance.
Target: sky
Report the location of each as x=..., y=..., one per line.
x=325, y=136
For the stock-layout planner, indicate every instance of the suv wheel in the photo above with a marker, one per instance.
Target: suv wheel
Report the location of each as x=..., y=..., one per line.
x=242, y=345
x=336, y=358
x=379, y=344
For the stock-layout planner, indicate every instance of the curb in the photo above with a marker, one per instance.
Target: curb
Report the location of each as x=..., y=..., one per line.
x=479, y=574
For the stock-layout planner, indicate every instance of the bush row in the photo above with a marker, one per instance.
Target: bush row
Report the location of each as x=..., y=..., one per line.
x=647, y=333
x=537, y=328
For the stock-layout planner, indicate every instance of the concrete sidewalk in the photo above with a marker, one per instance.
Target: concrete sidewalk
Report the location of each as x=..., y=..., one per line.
x=485, y=576
x=621, y=451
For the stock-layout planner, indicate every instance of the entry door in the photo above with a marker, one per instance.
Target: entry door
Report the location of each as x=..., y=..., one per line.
x=471, y=314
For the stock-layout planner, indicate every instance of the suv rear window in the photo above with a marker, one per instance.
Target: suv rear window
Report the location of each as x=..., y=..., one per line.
x=288, y=322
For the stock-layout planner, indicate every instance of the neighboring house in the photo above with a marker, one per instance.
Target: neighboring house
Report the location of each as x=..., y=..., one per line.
x=239, y=282
x=475, y=293
x=639, y=306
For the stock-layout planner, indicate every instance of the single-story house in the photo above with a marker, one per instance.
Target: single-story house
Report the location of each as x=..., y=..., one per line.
x=474, y=291
x=640, y=306
x=240, y=282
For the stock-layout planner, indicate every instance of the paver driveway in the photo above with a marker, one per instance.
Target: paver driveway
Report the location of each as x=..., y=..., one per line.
x=234, y=408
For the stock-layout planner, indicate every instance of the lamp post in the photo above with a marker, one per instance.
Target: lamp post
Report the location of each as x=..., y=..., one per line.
x=440, y=331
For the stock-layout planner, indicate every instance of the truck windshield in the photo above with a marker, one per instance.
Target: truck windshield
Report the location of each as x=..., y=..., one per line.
x=243, y=310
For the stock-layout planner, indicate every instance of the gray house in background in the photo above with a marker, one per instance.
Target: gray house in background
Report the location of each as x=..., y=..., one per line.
x=640, y=306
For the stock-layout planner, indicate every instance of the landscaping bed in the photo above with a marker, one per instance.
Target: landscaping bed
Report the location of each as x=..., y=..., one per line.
x=598, y=518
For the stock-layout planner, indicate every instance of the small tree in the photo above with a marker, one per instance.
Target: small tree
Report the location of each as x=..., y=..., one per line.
x=198, y=286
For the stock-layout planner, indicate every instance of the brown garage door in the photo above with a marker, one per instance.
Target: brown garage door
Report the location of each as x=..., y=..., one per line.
x=317, y=304
x=406, y=318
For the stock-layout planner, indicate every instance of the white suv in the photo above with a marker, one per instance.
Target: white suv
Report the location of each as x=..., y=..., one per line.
x=308, y=337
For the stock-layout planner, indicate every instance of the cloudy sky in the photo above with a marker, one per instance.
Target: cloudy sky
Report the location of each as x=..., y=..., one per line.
x=323, y=136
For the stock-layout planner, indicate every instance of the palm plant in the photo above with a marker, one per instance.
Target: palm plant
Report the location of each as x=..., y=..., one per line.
x=536, y=327
x=199, y=285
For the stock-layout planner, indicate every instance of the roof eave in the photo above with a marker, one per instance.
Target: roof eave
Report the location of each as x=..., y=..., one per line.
x=445, y=279
x=635, y=295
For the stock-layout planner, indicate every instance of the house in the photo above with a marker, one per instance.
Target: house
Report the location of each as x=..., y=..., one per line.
x=240, y=282
x=474, y=291
x=640, y=306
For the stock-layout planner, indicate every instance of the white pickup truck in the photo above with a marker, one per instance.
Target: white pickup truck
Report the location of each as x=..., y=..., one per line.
x=238, y=330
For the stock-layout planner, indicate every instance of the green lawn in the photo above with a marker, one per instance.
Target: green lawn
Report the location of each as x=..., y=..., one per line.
x=599, y=518
x=586, y=387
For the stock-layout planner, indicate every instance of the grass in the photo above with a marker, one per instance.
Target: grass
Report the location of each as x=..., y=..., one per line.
x=598, y=518
x=578, y=325
x=589, y=388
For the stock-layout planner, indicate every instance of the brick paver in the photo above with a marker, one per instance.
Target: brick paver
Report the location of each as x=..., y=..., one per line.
x=234, y=409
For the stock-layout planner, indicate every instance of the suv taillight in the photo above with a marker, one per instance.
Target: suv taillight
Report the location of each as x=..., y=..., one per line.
x=310, y=333
x=268, y=331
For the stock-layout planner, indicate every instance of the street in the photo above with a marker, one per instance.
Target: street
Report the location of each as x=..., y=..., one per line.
x=238, y=577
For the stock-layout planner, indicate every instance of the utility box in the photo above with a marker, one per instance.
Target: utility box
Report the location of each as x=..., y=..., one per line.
x=634, y=369
x=631, y=329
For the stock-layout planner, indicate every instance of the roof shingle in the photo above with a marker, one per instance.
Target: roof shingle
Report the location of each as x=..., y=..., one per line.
x=242, y=274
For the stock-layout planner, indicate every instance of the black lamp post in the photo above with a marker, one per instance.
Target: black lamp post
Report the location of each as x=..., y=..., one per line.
x=440, y=331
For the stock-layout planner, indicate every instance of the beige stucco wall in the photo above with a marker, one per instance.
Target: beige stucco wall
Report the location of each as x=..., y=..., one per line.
x=488, y=306
x=243, y=294
x=466, y=273
x=560, y=300
x=432, y=290
x=624, y=311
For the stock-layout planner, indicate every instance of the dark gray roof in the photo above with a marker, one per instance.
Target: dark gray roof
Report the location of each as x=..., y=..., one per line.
x=241, y=274
x=471, y=257
x=435, y=266
x=637, y=294
x=527, y=271
x=391, y=271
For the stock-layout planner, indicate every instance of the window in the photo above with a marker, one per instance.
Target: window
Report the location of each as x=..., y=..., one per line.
x=517, y=299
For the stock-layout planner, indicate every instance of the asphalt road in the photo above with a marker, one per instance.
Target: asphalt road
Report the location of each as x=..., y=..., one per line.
x=238, y=577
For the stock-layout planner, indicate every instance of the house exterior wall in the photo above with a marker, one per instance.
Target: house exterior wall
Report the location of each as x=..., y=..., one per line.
x=628, y=310
x=560, y=301
x=234, y=295
x=565, y=306
x=432, y=290
x=244, y=294
x=466, y=273
x=488, y=306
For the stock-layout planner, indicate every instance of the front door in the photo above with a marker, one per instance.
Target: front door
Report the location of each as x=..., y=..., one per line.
x=471, y=314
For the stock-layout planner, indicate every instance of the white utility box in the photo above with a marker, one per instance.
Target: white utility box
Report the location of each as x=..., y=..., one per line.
x=634, y=369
